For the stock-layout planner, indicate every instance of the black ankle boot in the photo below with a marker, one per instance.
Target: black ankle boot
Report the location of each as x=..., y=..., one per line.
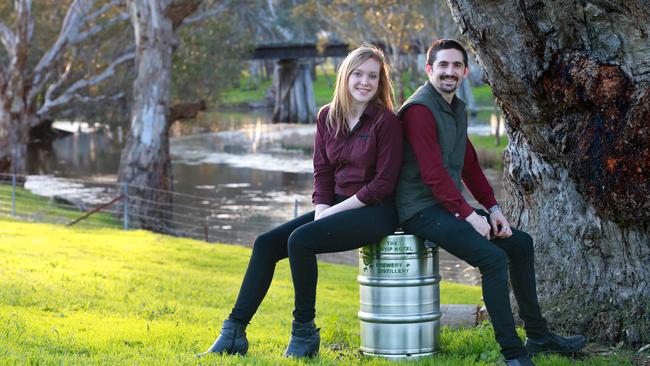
x=305, y=340
x=231, y=340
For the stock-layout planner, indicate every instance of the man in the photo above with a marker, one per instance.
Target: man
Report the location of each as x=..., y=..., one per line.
x=438, y=159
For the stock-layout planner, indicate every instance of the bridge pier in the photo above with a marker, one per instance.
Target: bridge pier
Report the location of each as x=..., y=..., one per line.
x=294, y=96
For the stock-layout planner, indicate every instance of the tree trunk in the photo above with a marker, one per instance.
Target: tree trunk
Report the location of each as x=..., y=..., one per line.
x=145, y=163
x=572, y=79
x=14, y=137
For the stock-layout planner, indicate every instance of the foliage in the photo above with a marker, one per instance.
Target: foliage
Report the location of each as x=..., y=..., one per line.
x=399, y=27
x=90, y=297
x=209, y=59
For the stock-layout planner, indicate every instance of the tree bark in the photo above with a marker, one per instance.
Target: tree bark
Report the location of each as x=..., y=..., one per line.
x=573, y=81
x=145, y=163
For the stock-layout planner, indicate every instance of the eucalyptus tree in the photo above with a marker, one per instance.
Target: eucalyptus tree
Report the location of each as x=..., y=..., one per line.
x=40, y=73
x=145, y=166
x=573, y=79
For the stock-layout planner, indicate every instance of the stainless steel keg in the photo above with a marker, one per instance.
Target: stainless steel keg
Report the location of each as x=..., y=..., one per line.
x=400, y=297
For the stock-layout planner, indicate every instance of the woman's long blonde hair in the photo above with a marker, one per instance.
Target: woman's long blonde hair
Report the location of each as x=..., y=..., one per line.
x=341, y=105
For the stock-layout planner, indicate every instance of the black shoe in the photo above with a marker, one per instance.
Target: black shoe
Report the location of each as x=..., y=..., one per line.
x=520, y=361
x=305, y=340
x=554, y=343
x=232, y=340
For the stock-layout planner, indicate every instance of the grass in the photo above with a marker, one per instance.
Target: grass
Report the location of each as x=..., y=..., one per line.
x=77, y=296
x=32, y=207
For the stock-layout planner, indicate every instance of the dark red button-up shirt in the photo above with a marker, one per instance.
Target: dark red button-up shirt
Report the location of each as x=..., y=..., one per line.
x=421, y=131
x=364, y=161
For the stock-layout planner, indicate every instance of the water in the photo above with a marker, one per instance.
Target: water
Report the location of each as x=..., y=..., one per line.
x=253, y=172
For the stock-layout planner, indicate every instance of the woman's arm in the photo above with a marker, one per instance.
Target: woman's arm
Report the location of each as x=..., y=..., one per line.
x=323, y=170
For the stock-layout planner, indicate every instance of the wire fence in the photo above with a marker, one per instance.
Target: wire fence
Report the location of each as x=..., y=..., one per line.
x=93, y=204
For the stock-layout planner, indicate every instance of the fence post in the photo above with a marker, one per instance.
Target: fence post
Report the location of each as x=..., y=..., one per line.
x=295, y=208
x=13, y=194
x=125, y=191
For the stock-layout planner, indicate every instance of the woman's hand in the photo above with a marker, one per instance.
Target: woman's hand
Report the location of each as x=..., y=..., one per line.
x=349, y=204
x=318, y=210
x=326, y=212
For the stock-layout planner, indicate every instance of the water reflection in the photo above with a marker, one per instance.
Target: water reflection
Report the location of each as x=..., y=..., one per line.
x=250, y=171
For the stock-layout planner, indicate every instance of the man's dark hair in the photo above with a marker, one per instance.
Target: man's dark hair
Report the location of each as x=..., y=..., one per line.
x=445, y=44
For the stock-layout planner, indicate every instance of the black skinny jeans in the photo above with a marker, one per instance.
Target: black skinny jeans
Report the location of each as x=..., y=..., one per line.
x=494, y=258
x=301, y=239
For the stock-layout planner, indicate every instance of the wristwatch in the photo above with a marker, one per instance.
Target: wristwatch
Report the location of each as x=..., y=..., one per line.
x=495, y=208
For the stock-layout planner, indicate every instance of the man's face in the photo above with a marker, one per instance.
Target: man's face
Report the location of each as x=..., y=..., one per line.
x=447, y=71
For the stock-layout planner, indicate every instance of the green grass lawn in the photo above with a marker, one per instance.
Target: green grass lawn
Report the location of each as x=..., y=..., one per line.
x=78, y=296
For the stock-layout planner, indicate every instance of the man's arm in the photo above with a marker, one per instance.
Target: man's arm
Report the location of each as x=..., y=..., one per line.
x=421, y=131
x=478, y=185
x=475, y=180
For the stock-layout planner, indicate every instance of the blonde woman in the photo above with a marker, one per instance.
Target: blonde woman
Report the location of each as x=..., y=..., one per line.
x=357, y=157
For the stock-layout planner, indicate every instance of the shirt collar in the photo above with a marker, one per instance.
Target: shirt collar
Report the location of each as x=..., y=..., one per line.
x=371, y=110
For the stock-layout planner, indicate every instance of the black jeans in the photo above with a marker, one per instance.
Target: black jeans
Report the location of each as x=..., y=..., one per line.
x=494, y=258
x=301, y=239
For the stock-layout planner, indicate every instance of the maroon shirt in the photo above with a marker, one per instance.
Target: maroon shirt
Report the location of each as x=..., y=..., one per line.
x=364, y=161
x=421, y=131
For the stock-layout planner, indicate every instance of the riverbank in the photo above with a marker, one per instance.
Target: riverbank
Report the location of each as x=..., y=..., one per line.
x=98, y=297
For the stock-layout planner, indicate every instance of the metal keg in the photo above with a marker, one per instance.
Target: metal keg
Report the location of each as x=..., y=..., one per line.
x=399, y=297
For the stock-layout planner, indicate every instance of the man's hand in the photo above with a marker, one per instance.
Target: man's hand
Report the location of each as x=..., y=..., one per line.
x=479, y=223
x=500, y=226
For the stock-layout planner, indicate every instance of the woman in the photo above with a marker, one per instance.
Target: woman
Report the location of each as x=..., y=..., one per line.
x=357, y=155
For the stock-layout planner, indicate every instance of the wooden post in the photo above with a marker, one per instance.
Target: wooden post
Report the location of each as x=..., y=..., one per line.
x=294, y=98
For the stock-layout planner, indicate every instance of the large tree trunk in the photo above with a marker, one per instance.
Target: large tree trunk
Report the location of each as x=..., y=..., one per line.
x=145, y=163
x=573, y=80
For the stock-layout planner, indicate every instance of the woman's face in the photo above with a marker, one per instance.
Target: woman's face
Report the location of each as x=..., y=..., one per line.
x=364, y=81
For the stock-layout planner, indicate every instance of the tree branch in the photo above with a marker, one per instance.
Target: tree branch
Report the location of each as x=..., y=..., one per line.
x=71, y=93
x=179, y=11
x=82, y=36
x=8, y=39
x=206, y=14
x=52, y=88
x=101, y=11
x=73, y=21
